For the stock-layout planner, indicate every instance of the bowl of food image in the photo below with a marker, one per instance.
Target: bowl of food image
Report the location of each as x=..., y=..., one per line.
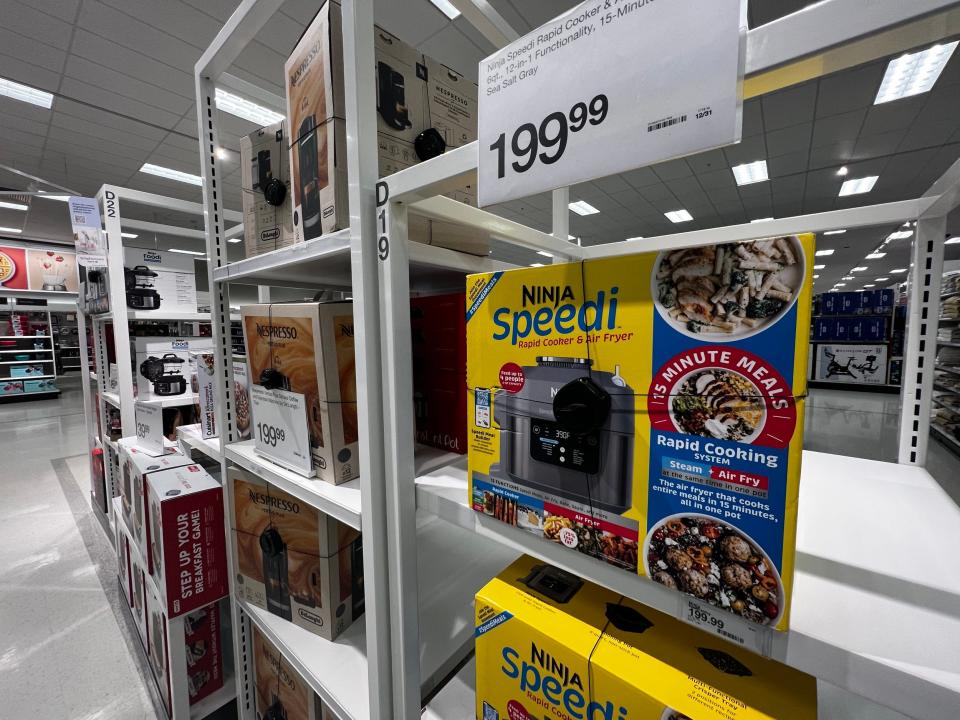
x=716, y=563
x=718, y=403
x=730, y=291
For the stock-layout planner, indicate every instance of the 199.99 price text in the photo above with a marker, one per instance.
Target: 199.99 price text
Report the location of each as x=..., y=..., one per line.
x=270, y=435
x=704, y=618
x=551, y=135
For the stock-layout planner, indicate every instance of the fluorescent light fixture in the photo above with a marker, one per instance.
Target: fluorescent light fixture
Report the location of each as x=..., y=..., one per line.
x=536, y=264
x=25, y=93
x=16, y=231
x=678, y=216
x=750, y=173
x=858, y=186
x=842, y=172
x=544, y=253
x=847, y=277
x=870, y=285
x=953, y=240
x=447, y=8
x=570, y=237
x=898, y=271
x=840, y=285
x=819, y=267
x=824, y=253
x=815, y=277
x=834, y=232
x=900, y=235
x=914, y=73
x=875, y=256
x=761, y=220
x=235, y=240
x=638, y=237
x=882, y=279
x=859, y=269
x=582, y=207
x=129, y=235
x=62, y=198
x=184, y=252
x=13, y=206
x=242, y=108
x=170, y=174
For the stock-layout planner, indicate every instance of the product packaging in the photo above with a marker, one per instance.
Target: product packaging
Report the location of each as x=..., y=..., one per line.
x=11, y=387
x=139, y=580
x=158, y=646
x=550, y=645
x=439, y=351
x=307, y=348
x=204, y=652
x=265, y=184
x=124, y=571
x=26, y=371
x=163, y=366
x=48, y=385
x=647, y=410
x=203, y=384
x=280, y=691
x=135, y=467
x=159, y=280
x=294, y=561
x=185, y=533
x=241, y=396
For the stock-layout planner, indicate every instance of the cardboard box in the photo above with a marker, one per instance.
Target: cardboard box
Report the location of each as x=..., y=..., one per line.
x=11, y=387
x=439, y=351
x=187, y=539
x=241, y=397
x=612, y=406
x=264, y=157
x=310, y=345
x=204, y=652
x=203, y=385
x=292, y=560
x=135, y=467
x=139, y=579
x=47, y=385
x=171, y=284
x=26, y=371
x=163, y=365
x=551, y=645
x=158, y=647
x=278, y=687
x=124, y=571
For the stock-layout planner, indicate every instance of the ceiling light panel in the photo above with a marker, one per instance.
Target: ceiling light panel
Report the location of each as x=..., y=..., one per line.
x=13, y=206
x=184, y=252
x=15, y=231
x=875, y=256
x=824, y=253
x=900, y=235
x=882, y=279
x=242, y=108
x=953, y=240
x=761, y=220
x=171, y=174
x=858, y=269
x=678, y=216
x=582, y=207
x=898, y=271
x=750, y=173
x=819, y=267
x=858, y=186
x=447, y=8
x=914, y=73
x=25, y=93
x=129, y=235
x=834, y=232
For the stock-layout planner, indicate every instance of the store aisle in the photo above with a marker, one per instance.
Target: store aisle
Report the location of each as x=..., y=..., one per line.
x=64, y=654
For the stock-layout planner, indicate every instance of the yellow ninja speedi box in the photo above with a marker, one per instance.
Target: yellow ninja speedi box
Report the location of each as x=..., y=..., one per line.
x=647, y=410
x=549, y=645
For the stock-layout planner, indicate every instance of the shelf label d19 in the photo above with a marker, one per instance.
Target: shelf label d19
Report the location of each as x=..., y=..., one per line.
x=610, y=86
x=149, y=425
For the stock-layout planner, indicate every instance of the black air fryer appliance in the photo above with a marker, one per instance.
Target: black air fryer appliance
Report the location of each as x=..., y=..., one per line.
x=309, y=172
x=139, y=282
x=166, y=374
x=392, y=97
x=569, y=432
x=273, y=552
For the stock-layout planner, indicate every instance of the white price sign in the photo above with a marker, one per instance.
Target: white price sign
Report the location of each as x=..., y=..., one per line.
x=728, y=626
x=149, y=422
x=607, y=87
x=280, y=429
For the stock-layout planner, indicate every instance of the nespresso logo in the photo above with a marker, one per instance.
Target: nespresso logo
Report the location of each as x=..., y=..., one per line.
x=281, y=672
x=546, y=295
x=274, y=502
x=280, y=332
x=302, y=67
x=456, y=97
x=346, y=329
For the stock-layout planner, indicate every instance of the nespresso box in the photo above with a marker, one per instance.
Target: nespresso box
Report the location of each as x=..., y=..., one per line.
x=265, y=186
x=307, y=348
x=294, y=561
x=185, y=532
x=439, y=348
x=135, y=467
x=280, y=692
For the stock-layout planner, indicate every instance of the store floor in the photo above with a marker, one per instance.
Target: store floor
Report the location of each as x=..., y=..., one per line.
x=66, y=644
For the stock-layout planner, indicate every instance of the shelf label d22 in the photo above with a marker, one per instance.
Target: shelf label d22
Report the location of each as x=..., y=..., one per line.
x=607, y=87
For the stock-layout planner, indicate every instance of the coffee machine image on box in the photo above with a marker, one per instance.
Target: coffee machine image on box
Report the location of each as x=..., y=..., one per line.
x=139, y=282
x=166, y=374
x=569, y=432
x=309, y=172
x=392, y=98
x=276, y=573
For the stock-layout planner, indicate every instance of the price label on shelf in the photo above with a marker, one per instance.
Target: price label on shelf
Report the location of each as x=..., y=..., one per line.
x=607, y=87
x=724, y=624
x=280, y=430
x=149, y=422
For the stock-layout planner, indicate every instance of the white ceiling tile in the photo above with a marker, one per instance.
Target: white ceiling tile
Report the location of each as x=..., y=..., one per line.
x=753, y=117
x=414, y=21
x=29, y=50
x=65, y=10
x=717, y=179
x=787, y=164
x=104, y=132
x=837, y=128
x=869, y=146
x=108, y=119
x=706, y=161
x=263, y=65
x=454, y=49
x=41, y=26
x=120, y=84
x=26, y=139
x=640, y=177
x=890, y=116
x=117, y=103
x=220, y=9
x=834, y=155
x=13, y=121
x=789, y=107
x=90, y=142
x=849, y=90
x=280, y=33
x=166, y=154
x=93, y=158
x=748, y=150
x=193, y=26
x=795, y=138
x=27, y=73
x=672, y=169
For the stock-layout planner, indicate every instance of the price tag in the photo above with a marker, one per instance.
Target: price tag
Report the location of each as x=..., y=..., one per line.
x=609, y=86
x=280, y=429
x=149, y=422
x=724, y=624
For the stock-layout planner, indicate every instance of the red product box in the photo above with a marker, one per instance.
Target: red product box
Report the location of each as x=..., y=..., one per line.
x=201, y=630
x=185, y=534
x=439, y=345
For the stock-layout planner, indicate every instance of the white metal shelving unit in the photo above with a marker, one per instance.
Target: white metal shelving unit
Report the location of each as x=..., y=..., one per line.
x=868, y=616
x=44, y=356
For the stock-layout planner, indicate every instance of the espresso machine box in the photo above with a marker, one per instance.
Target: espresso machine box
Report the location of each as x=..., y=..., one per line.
x=292, y=560
x=265, y=186
x=280, y=691
x=307, y=348
x=647, y=410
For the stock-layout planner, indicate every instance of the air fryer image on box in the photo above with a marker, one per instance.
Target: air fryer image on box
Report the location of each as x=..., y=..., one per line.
x=280, y=693
x=294, y=561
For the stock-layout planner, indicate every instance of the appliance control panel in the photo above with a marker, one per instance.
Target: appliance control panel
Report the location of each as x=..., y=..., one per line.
x=550, y=443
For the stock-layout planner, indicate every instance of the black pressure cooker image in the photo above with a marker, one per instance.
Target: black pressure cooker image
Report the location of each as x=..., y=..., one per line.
x=139, y=282
x=166, y=374
x=569, y=432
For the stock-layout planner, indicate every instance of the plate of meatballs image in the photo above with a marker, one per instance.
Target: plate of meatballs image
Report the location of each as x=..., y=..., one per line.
x=716, y=563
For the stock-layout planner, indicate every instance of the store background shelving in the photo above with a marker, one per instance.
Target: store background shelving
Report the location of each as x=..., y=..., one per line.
x=31, y=316
x=945, y=415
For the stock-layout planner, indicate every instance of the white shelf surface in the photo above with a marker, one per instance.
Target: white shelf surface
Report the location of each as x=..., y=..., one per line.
x=111, y=397
x=452, y=565
x=162, y=314
x=942, y=404
x=37, y=361
x=944, y=388
x=31, y=377
x=23, y=337
x=190, y=436
x=948, y=344
x=948, y=368
x=188, y=398
x=339, y=501
x=873, y=611
x=949, y=439
x=24, y=350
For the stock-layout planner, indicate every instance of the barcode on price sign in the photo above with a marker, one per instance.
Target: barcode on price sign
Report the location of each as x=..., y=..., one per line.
x=666, y=122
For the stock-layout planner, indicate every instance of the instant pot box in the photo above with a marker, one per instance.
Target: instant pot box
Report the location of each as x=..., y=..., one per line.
x=264, y=157
x=280, y=691
x=648, y=410
x=310, y=348
x=549, y=644
x=185, y=533
x=294, y=561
